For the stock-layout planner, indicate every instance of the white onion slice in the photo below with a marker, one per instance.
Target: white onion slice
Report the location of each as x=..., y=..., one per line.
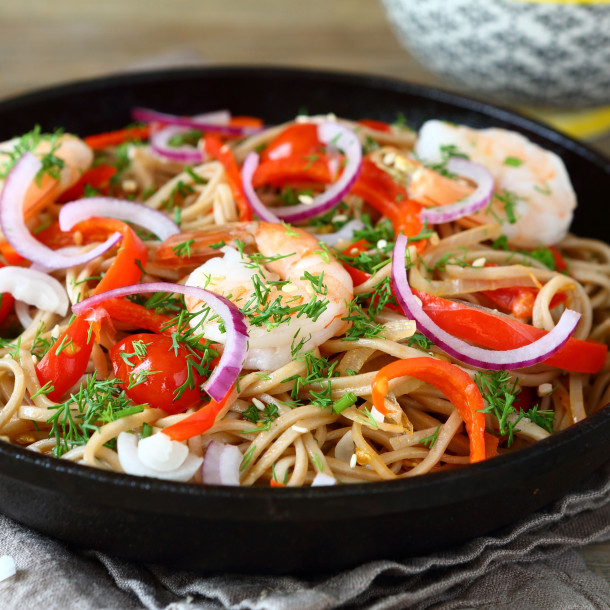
x=152, y=220
x=221, y=464
x=161, y=453
x=146, y=115
x=469, y=205
x=328, y=133
x=22, y=311
x=127, y=449
x=34, y=288
x=345, y=448
x=345, y=233
x=16, y=232
x=229, y=366
x=323, y=480
x=521, y=357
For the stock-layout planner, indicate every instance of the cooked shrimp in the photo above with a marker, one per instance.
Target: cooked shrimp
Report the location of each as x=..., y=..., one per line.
x=534, y=181
x=282, y=280
x=77, y=158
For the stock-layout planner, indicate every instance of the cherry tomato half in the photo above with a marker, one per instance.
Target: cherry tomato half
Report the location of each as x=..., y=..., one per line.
x=152, y=372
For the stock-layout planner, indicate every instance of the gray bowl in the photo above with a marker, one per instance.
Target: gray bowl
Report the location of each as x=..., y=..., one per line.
x=549, y=54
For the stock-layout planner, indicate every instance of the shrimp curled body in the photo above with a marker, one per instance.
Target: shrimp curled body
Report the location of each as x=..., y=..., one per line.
x=293, y=293
x=536, y=178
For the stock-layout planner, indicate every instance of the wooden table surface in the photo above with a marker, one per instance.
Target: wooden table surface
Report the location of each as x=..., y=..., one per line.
x=43, y=43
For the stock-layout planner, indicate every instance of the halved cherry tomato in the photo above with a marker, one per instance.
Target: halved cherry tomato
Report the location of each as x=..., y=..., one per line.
x=153, y=370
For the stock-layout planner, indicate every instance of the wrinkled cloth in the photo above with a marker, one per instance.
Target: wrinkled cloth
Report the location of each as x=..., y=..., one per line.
x=531, y=564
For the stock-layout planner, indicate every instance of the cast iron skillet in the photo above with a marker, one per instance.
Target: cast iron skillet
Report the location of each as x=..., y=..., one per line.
x=288, y=530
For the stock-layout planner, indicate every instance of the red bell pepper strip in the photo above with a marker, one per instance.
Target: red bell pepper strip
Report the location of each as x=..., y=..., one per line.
x=452, y=381
x=380, y=191
x=519, y=300
x=114, y=138
x=560, y=262
x=296, y=141
x=200, y=421
x=246, y=121
x=65, y=363
x=97, y=177
x=138, y=316
x=500, y=332
x=217, y=149
x=376, y=125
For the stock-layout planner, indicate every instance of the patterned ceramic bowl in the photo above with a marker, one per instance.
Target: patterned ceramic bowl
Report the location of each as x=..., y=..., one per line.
x=553, y=53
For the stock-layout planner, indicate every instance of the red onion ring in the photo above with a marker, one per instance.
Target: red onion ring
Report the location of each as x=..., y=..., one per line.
x=528, y=355
x=159, y=142
x=236, y=346
x=221, y=464
x=329, y=133
x=473, y=203
x=152, y=220
x=16, y=232
x=146, y=115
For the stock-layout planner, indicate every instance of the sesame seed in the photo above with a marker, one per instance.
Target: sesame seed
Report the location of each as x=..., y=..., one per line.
x=306, y=199
x=353, y=461
x=354, y=251
x=544, y=389
x=401, y=164
x=289, y=288
x=300, y=429
x=259, y=404
x=340, y=218
x=389, y=158
x=382, y=243
x=129, y=186
x=435, y=240
x=479, y=262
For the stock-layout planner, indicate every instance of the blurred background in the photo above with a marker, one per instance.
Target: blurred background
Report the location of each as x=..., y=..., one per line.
x=46, y=42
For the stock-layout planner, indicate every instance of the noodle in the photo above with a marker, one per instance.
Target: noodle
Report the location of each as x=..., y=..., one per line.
x=313, y=413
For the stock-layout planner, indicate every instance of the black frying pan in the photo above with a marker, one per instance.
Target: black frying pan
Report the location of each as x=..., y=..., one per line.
x=288, y=530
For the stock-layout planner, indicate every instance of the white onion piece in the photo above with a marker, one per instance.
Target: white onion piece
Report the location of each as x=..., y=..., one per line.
x=15, y=230
x=22, y=311
x=34, y=288
x=149, y=116
x=127, y=449
x=521, y=357
x=328, y=132
x=378, y=416
x=469, y=205
x=7, y=567
x=236, y=345
x=186, y=153
x=221, y=464
x=323, y=480
x=161, y=453
x=108, y=207
x=344, y=449
x=345, y=233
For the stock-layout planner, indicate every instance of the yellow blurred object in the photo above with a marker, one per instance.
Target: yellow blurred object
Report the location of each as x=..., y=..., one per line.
x=581, y=124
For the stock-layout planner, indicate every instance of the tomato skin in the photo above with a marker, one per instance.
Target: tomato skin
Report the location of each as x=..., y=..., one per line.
x=157, y=389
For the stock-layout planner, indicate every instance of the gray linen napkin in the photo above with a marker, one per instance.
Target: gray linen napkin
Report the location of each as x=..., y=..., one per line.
x=531, y=564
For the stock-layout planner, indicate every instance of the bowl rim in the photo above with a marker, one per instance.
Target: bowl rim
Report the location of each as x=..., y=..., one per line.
x=488, y=471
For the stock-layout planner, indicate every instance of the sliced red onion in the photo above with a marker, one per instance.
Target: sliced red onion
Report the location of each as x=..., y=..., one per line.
x=469, y=205
x=127, y=449
x=528, y=355
x=16, y=232
x=329, y=133
x=152, y=220
x=221, y=464
x=323, y=480
x=186, y=153
x=148, y=116
x=34, y=288
x=259, y=208
x=229, y=366
x=345, y=233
